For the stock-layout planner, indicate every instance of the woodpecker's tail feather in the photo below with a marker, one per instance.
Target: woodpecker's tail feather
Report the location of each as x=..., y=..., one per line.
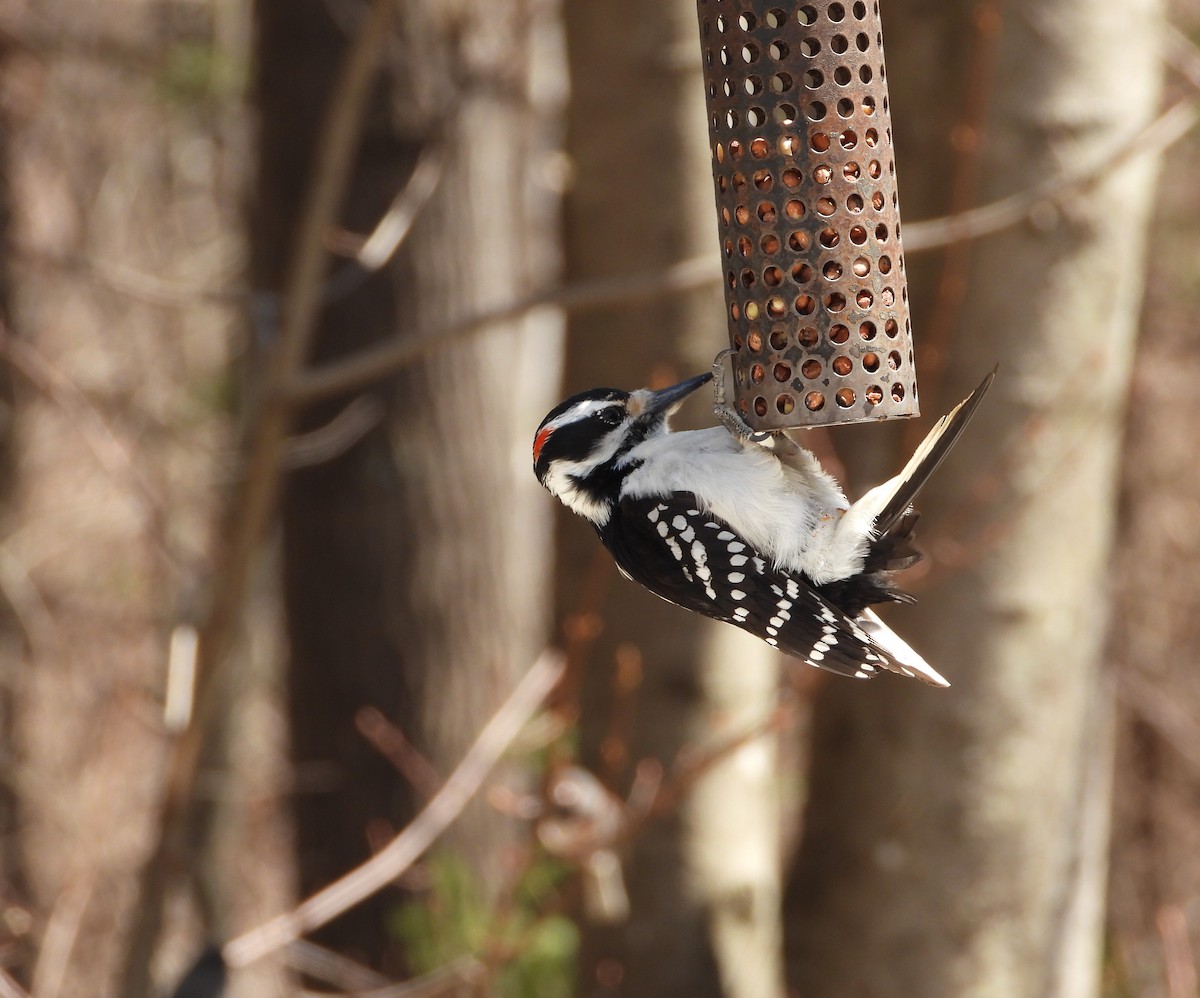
x=900, y=656
x=892, y=520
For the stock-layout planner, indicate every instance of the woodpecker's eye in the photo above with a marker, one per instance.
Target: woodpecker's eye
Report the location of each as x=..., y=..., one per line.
x=610, y=416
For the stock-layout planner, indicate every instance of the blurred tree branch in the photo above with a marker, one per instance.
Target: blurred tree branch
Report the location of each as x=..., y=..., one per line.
x=253, y=500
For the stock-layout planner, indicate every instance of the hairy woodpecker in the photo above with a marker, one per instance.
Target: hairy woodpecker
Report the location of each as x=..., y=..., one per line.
x=756, y=536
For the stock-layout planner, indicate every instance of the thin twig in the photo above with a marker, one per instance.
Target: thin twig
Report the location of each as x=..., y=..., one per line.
x=1163, y=132
x=253, y=502
x=58, y=940
x=10, y=988
x=333, y=968
x=443, y=981
x=374, y=363
x=408, y=846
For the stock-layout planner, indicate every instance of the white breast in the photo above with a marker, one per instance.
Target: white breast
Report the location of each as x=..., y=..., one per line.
x=792, y=513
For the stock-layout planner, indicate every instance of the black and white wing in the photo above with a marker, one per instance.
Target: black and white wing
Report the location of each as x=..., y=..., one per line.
x=691, y=558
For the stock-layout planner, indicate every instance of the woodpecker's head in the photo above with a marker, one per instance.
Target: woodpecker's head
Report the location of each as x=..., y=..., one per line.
x=580, y=452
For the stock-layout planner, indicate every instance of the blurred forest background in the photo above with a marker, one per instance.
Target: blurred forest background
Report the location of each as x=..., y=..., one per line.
x=287, y=286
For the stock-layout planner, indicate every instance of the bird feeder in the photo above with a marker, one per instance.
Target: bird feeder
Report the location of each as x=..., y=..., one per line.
x=809, y=220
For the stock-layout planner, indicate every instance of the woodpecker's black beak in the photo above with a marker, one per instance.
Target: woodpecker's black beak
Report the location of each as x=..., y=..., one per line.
x=664, y=401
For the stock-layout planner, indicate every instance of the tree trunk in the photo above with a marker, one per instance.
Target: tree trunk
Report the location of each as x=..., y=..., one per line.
x=955, y=841
x=703, y=884
x=414, y=562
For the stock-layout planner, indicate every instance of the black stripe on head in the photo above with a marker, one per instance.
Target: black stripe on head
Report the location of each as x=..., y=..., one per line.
x=574, y=439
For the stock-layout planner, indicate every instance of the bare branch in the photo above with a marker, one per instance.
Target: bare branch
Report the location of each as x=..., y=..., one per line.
x=408, y=846
x=10, y=988
x=378, y=362
x=253, y=502
x=1165, y=130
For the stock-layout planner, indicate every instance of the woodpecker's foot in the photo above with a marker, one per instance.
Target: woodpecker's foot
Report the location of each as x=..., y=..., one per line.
x=727, y=413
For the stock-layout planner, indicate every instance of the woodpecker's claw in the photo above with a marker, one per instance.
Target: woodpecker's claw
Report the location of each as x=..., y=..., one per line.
x=727, y=413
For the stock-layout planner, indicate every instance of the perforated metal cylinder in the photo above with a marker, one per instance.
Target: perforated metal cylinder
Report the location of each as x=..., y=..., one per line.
x=807, y=210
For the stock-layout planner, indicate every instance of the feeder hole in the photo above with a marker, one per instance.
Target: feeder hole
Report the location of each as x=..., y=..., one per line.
x=802, y=273
x=763, y=180
x=851, y=171
x=854, y=203
x=799, y=240
x=814, y=401
x=810, y=47
x=766, y=212
x=778, y=339
x=897, y=392
x=816, y=111
x=839, y=43
x=781, y=372
x=792, y=177
x=832, y=271
x=829, y=237
x=805, y=304
x=835, y=302
x=826, y=206
x=769, y=244
x=754, y=341
x=745, y=247
x=775, y=306
x=894, y=360
x=845, y=107
x=861, y=266
x=839, y=333
x=858, y=235
x=842, y=365
x=823, y=174
x=836, y=12
x=813, y=78
x=841, y=76
x=759, y=148
x=785, y=404
x=844, y=397
x=781, y=83
x=757, y=374
x=807, y=337
x=870, y=363
x=864, y=300
x=811, y=369
x=794, y=209
x=874, y=395
x=867, y=330
x=807, y=15
x=772, y=277
x=760, y=406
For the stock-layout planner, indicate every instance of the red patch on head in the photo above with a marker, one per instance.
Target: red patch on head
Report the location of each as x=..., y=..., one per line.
x=540, y=441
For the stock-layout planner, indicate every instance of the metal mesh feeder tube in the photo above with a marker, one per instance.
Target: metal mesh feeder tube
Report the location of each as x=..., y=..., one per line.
x=808, y=215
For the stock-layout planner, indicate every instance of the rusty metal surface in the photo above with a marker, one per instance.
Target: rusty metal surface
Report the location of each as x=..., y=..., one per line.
x=809, y=221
